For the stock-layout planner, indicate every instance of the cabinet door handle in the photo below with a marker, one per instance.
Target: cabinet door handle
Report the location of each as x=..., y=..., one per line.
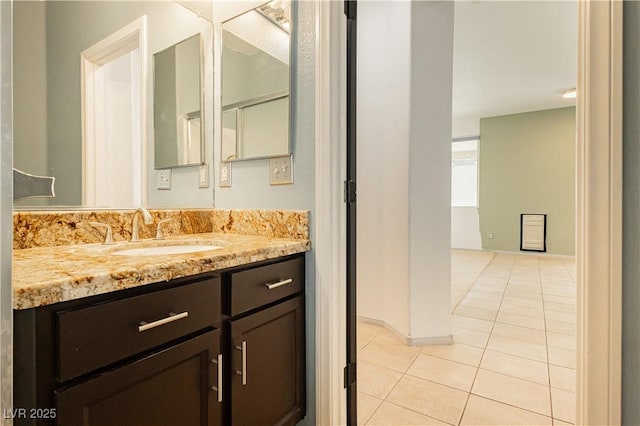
x=144, y=326
x=243, y=373
x=279, y=284
x=219, y=387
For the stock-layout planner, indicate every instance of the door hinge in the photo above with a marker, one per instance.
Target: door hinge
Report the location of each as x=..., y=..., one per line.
x=350, y=8
x=349, y=191
x=349, y=374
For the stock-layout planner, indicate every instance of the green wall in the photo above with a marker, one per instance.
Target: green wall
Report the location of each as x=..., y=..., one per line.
x=527, y=165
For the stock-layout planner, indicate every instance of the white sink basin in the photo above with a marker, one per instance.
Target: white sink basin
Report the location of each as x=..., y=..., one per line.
x=165, y=250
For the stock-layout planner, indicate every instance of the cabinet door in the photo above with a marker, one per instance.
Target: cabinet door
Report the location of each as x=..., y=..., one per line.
x=170, y=387
x=268, y=366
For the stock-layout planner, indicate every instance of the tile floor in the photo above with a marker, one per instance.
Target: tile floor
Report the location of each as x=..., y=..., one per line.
x=513, y=357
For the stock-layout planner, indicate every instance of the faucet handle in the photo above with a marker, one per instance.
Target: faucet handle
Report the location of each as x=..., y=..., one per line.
x=159, y=234
x=108, y=237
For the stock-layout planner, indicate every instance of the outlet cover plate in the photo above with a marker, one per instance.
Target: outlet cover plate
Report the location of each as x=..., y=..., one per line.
x=163, y=179
x=281, y=170
x=203, y=176
x=225, y=175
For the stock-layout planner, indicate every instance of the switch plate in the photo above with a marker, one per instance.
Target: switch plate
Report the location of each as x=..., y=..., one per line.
x=203, y=176
x=225, y=175
x=163, y=179
x=281, y=170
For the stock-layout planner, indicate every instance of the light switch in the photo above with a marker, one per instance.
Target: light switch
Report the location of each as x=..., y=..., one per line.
x=203, y=176
x=281, y=170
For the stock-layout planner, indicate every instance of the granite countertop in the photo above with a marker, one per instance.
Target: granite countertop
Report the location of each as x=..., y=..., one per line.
x=47, y=275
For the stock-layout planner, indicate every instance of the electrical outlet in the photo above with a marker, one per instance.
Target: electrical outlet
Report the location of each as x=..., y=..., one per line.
x=163, y=179
x=281, y=170
x=203, y=176
x=490, y=235
x=225, y=175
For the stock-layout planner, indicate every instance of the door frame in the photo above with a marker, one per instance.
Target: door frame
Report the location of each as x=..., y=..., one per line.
x=131, y=37
x=598, y=209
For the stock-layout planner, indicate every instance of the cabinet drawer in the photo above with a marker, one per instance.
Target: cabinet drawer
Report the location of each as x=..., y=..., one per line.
x=261, y=285
x=98, y=335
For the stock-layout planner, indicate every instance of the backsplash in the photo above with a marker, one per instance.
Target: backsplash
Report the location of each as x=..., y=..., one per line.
x=268, y=223
x=61, y=228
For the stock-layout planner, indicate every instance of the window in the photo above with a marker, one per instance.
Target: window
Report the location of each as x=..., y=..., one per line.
x=464, y=173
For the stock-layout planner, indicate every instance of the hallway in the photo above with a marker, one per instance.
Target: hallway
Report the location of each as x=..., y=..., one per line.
x=513, y=357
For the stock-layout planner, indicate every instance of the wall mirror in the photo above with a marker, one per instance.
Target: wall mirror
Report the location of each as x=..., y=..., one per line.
x=256, y=101
x=56, y=44
x=178, y=104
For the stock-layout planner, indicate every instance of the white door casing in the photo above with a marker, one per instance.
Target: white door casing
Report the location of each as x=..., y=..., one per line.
x=124, y=41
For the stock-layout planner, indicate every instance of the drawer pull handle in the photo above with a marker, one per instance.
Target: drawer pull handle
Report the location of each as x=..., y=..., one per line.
x=279, y=284
x=219, y=387
x=243, y=373
x=144, y=326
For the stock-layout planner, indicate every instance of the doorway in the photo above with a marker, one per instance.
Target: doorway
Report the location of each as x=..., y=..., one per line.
x=114, y=118
x=597, y=234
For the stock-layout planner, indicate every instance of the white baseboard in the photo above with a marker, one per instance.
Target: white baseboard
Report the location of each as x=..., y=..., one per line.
x=409, y=341
x=534, y=253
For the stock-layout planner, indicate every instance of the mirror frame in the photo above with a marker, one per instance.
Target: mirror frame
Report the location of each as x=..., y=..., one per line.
x=276, y=95
x=202, y=103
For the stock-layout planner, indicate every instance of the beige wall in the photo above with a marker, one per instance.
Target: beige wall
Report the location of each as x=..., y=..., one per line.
x=527, y=165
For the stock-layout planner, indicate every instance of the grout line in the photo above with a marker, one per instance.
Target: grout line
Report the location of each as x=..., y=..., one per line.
x=546, y=339
x=474, y=282
x=464, y=409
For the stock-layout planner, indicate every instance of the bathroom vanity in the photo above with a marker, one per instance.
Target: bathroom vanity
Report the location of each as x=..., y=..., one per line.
x=222, y=344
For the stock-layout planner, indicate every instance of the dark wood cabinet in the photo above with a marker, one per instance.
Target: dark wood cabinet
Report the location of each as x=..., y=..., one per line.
x=268, y=371
x=169, y=387
x=225, y=348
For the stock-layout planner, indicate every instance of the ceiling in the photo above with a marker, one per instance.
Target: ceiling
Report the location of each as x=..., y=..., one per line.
x=510, y=57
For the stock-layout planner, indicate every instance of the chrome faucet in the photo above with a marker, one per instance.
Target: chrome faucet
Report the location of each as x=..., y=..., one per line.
x=146, y=217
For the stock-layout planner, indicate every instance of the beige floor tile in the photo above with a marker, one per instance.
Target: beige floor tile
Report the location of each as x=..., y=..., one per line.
x=519, y=333
x=524, y=311
x=387, y=352
x=479, y=295
x=445, y=372
x=562, y=357
x=564, y=405
x=482, y=304
x=522, y=321
x=392, y=415
x=470, y=337
x=559, y=299
x=568, y=317
x=523, y=301
x=514, y=366
x=513, y=391
x=479, y=313
x=482, y=411
x=562, y=378
x=367, y=405
x=375, y=380
x=512, y=292
x=559, y=307
x=557, y=422
x=465, y=354
x=518, y=348
x=561, y=327
x=559, y=290
x=474, y=324
x=563, y=341
x=428, y=398
x=368, y=331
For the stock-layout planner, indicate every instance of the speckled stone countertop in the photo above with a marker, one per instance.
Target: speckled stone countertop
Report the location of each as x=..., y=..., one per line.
x=47, y=275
